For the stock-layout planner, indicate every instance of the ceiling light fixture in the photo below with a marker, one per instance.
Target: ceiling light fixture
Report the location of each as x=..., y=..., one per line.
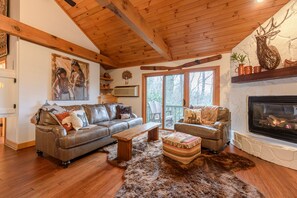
x=260, y=1
x=70, y=2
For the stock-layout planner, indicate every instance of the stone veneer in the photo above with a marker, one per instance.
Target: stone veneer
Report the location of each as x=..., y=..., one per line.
x=269, y=149
x=273, y=150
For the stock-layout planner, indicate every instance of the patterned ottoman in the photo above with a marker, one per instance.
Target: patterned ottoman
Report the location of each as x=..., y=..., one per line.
x=181, y=147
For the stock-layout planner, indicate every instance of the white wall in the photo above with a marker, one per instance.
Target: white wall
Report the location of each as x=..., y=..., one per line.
x=35, y=85
x=47, y=16
x=287, y=47
x=136, y=103
x=33, y=63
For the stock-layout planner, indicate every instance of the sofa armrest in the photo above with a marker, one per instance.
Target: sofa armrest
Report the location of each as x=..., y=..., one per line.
x=220, y=125
x=58, y=130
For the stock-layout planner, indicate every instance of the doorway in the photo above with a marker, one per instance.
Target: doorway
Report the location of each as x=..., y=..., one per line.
x=2, y=130
x=165, y=94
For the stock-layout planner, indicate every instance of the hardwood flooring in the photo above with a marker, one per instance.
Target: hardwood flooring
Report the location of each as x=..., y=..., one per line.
x=23, y=174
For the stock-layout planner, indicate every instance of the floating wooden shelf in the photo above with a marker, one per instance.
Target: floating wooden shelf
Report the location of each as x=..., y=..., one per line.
x=287, y=72
x=106, y=88
x=106, y=79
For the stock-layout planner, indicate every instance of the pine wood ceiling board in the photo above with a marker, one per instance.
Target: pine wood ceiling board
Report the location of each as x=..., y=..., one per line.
x=198, y=24
x=142, y=62
x=129, y=15
x=202, y=54
x=64, y=7
x=31, y=34
x=213, y=34
x=80, y=7
x=137, y=53
x=212, y=15
x=237, y=20
x=214, y=18
x=237, y=36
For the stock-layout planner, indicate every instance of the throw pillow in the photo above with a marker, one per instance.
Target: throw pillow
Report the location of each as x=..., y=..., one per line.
x=209, y=114
x=192, y=116
x=60, y=117
x=123, y=110
x=79, y=119
x=125, y=116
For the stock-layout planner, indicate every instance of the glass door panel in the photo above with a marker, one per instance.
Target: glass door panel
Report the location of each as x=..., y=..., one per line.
x=154, y=98
x=174, y=99
x=201, y=88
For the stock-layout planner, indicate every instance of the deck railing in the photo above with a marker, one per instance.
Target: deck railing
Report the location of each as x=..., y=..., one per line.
x=173, y=113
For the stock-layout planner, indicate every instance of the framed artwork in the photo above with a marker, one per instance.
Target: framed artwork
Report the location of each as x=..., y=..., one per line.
x=3, y=35
x=70, y=79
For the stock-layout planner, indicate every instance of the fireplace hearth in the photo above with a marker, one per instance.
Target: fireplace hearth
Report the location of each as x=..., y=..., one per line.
x=273, y=116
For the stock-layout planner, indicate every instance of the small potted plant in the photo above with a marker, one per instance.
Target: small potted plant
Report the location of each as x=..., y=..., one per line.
x=240, y=59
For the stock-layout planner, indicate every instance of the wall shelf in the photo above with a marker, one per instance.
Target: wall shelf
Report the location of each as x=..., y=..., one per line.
x=106, y=88
x=287, y=72
x=106, y=79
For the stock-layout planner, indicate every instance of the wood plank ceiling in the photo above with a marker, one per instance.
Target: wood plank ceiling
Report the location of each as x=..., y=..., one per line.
x=191, y=28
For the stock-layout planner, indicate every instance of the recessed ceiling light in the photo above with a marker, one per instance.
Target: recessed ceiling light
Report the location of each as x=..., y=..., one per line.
x=260, y=1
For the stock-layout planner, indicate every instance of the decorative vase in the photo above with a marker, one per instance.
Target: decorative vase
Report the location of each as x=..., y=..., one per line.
x=257, y=69
x=240, y=70
x=248, y=70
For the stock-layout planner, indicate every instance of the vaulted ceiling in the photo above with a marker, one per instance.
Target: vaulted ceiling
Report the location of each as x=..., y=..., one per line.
x=190, y=28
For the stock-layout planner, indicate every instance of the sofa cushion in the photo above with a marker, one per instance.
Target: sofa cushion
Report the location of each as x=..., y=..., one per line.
x=202, y=131
x=96, y=113
x=83, y=136
x=132, y=122
x=112, y=110
x=114, y=126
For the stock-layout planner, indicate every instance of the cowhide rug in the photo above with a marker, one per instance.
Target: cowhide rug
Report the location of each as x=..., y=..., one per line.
x=150, y=174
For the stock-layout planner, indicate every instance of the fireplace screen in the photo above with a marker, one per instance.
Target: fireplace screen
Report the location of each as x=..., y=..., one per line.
x=274, y=116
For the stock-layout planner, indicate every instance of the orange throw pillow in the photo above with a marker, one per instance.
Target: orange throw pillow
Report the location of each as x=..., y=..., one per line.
x=61, y=117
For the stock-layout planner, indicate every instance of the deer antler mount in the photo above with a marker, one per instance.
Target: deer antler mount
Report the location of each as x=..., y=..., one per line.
x=268, y=55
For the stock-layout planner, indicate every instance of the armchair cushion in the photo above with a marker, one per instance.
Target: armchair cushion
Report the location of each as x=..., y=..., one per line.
x=192, y=116
x=202, y=131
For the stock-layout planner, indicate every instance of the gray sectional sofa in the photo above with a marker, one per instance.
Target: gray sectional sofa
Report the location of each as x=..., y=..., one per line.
x=52, y=139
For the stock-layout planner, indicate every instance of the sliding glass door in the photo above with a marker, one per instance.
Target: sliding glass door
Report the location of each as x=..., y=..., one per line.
x=174, y=99
x=201, y=88
x=154, y=99
x=167, y=93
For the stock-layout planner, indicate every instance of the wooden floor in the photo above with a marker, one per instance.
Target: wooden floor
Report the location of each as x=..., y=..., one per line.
x=23, y=174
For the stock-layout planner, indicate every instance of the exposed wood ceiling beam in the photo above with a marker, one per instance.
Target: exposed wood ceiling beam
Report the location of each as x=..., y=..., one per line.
x=31, y=34
x=129, y=15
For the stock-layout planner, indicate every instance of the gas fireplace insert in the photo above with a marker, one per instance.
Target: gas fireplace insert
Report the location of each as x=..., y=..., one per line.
x=273, y=116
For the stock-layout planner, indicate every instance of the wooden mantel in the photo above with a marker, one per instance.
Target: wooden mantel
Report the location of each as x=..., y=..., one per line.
x=266, y=75
x=31, y=34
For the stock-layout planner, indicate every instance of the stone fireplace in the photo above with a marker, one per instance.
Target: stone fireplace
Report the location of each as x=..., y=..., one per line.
x=273, y=116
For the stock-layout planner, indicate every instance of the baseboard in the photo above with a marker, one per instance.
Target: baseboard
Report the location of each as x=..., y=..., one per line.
x=20, y=146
